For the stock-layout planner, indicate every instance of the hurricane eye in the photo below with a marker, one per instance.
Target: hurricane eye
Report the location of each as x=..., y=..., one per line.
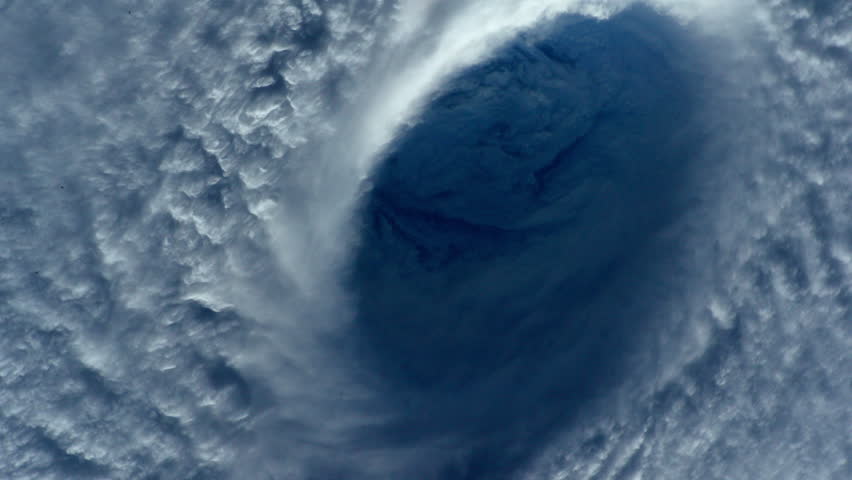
x=524, y=184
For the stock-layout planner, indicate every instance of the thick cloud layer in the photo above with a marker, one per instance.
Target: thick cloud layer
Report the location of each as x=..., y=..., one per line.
x=378, y=239
x=142, y=144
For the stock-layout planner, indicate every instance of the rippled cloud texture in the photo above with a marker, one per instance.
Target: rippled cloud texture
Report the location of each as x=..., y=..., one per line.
x=539, y=239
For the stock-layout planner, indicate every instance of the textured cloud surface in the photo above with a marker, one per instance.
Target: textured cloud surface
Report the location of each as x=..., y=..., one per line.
x=312, y=239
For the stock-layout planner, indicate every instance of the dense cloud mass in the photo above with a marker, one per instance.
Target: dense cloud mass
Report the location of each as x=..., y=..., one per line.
x=326, y=239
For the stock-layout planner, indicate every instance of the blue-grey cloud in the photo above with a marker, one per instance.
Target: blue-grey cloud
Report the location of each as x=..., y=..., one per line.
x=179, y=199
x=505, y=220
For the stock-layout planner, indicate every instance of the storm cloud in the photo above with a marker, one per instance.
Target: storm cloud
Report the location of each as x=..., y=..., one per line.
x=425, y=239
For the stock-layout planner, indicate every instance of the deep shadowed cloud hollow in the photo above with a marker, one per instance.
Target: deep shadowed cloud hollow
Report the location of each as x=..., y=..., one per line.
x=426, y=239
